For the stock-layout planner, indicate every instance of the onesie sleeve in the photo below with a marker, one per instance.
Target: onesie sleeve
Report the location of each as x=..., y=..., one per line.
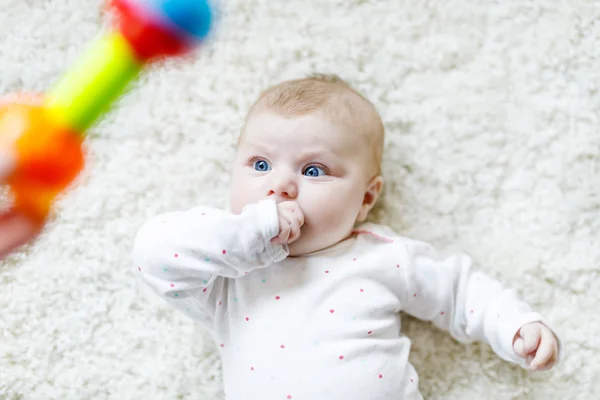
x=467, y=303
x=179, y=255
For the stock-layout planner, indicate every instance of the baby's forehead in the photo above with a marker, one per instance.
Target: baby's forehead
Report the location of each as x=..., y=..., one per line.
x=314, y=130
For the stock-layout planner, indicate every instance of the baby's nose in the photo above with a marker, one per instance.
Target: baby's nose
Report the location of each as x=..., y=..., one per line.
x=284, y=189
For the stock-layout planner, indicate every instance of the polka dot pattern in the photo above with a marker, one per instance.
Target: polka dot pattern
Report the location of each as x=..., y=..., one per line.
x=339, y=312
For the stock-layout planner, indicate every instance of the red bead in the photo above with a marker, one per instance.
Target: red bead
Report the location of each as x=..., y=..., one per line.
x=148, y=38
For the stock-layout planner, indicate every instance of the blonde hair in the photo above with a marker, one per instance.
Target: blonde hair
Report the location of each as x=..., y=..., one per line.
x=335, y=98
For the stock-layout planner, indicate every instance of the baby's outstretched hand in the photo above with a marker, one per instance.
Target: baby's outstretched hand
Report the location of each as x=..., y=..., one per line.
x=291, y=219
x=537, y=344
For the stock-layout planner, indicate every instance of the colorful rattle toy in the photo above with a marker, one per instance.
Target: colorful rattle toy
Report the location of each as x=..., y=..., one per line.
x=41, y=145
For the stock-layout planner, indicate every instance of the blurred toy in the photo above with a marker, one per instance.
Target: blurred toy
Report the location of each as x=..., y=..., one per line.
x=41, y=140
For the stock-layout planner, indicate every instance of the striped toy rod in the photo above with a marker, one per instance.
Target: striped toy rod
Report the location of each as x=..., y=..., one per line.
x=41, y=151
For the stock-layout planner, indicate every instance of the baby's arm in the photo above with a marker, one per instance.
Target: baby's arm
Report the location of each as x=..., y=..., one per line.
x=180, y=254
x=467, y=303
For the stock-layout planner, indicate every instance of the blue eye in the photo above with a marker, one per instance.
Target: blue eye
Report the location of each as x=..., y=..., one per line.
x=262, y=166
x=314, y=171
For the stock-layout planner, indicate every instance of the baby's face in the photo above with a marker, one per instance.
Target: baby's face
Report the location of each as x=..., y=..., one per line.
x=308, y=159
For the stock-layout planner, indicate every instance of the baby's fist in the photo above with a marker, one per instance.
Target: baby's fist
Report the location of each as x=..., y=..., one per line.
x=291, y=219
x=537, y=345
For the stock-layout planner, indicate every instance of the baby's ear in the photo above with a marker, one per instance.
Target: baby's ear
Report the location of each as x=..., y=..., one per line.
x=370, y=198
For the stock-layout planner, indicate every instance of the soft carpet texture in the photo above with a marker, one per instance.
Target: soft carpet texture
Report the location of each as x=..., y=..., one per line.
x=492, y=148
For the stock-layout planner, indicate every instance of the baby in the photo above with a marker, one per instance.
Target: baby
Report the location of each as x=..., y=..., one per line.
x=302, y=296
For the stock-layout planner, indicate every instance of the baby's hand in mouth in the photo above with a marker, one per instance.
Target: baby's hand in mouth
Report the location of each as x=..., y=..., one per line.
x=291, y=219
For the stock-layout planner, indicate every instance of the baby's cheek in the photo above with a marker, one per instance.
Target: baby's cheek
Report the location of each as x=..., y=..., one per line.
x=235, y=207
x=335, y=212
x=241, y=194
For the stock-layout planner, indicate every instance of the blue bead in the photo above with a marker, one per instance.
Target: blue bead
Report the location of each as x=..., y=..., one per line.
x=191, y=16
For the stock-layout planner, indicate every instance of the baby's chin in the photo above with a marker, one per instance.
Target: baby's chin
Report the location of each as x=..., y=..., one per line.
x=306, y=245
x=297, y=250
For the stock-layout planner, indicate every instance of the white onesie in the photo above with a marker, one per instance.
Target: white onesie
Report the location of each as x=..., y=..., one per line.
x=324, y=325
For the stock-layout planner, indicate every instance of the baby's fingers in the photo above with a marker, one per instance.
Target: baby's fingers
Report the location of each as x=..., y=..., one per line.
x=294, y=232
x=526, y=340
x=545, y=355
x=518, y=347
x=284, y=231
x=531, y=334
x=296, y=224
x=299, y=216
x=549, y=364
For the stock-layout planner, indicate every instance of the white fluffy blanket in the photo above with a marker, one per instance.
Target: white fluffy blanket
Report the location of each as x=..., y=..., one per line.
x=493, y=148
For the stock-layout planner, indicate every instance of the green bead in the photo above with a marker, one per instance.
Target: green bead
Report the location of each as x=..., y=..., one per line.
x=95, y=83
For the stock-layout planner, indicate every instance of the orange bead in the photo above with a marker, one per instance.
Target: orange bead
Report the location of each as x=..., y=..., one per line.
x=49, y=157
x=35, y=202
